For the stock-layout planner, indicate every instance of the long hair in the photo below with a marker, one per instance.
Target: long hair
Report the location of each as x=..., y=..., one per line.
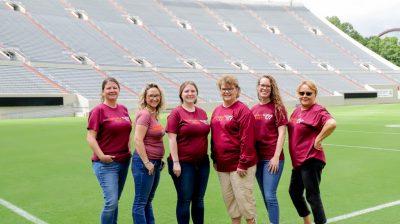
x=103, y=85
x=143, y=94
x=275, y=95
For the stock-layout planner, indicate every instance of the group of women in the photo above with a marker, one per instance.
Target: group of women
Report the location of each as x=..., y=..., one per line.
x=246, y=144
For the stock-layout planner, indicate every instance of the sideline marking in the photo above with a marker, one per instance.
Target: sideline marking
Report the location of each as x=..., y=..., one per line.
x=21, y=212
x=393, y=125
x=370, y=132
x=364, y=147
x=364, y=211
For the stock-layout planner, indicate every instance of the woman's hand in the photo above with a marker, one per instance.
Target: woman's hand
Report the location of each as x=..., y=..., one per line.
x=273, y=165
x=318, y=144
x=327, y=129
x=106, y=158
x=177, y=168
x=150, y=167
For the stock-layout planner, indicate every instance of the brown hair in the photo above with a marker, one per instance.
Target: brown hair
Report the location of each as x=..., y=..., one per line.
x=229, y=80
x=104, y=83
x=183, y=86
x=143, y=94
x=275, y=94
x=310, y=85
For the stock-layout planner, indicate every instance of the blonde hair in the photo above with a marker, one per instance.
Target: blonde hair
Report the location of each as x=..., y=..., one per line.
x=229, y=80
x=183, y=86
x=275, y=94
x=310, y=85
x=143, y=94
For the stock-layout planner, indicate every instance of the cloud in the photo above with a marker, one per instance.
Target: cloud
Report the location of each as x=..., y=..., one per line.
x=369, y=17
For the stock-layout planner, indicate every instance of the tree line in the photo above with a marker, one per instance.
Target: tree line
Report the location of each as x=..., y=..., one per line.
x=388, y=47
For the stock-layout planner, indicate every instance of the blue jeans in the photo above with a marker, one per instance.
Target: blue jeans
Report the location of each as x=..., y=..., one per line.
x=111, y=177
x=145, y=188
x=268, y=183
x=190, y=188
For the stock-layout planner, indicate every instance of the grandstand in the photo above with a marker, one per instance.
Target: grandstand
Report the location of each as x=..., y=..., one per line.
x=67, y=47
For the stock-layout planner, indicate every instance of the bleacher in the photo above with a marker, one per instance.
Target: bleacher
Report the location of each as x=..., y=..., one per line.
x=72, y=45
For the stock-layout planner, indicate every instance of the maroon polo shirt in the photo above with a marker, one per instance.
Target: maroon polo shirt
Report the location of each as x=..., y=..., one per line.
x=192, y=129
x=113, y=127
x=303, y=128
x=267, y=121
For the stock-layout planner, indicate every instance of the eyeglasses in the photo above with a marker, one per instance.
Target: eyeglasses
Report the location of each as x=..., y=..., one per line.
x=265, y=86
x=227, y=90
x=153, y=96
x=305, y=93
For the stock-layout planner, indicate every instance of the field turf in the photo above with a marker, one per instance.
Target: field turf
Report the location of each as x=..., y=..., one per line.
x=45, y=169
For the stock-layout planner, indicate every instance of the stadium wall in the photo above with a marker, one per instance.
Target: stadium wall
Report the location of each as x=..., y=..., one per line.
x=78, y=106
x=73, y=105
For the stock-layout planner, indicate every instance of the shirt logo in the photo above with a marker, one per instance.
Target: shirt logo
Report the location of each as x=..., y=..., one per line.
x=267, y=116
x=126, y=118
x=118, y=119
x=222, y=117
x=228, y=117
x=204, y=121
x=299, y=120
x=157, y=128
x=198, y=121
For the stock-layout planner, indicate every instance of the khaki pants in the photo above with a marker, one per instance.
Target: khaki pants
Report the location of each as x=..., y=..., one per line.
x=238, y=193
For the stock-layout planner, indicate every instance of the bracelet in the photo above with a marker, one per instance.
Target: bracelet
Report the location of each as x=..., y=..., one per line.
x=147, y=162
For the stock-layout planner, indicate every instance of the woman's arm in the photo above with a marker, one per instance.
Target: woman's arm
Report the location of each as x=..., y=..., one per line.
x=273, y=165
x=327, y=129
x=94, y=145
x=247, y=150
x=140, y=132
x=173, y=148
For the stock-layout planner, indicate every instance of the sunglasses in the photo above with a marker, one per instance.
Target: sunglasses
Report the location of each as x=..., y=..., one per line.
x=305, y=93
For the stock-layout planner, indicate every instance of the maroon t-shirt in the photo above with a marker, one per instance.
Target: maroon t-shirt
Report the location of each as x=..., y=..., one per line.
x=303, y=128
x=113, y=127
x=232, y=133
x=192, y=130
x=266, y=125
x=153, y=142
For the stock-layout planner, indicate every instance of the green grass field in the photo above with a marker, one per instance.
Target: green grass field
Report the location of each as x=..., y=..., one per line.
x=45, y=169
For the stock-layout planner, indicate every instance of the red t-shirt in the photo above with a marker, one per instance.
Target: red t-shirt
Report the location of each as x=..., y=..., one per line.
x=153, y=142
x=232, y=132
x=303, y=128
x=192, y=130
x=266, y=124
x=113, y=127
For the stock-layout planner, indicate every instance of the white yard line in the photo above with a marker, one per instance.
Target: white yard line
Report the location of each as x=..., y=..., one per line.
x=364, y=147
x=392, y=125
x=21, y=212
x=364, y=211
x=370, y=132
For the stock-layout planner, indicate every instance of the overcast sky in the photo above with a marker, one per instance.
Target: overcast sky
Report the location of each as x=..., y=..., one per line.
x=369, y=17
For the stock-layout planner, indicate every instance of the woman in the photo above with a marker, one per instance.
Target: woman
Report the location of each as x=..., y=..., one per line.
x=233, y=153
x=309, y=124
x=188, y=163
x=109, y=128
x=149, y=150
x=270, y=123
